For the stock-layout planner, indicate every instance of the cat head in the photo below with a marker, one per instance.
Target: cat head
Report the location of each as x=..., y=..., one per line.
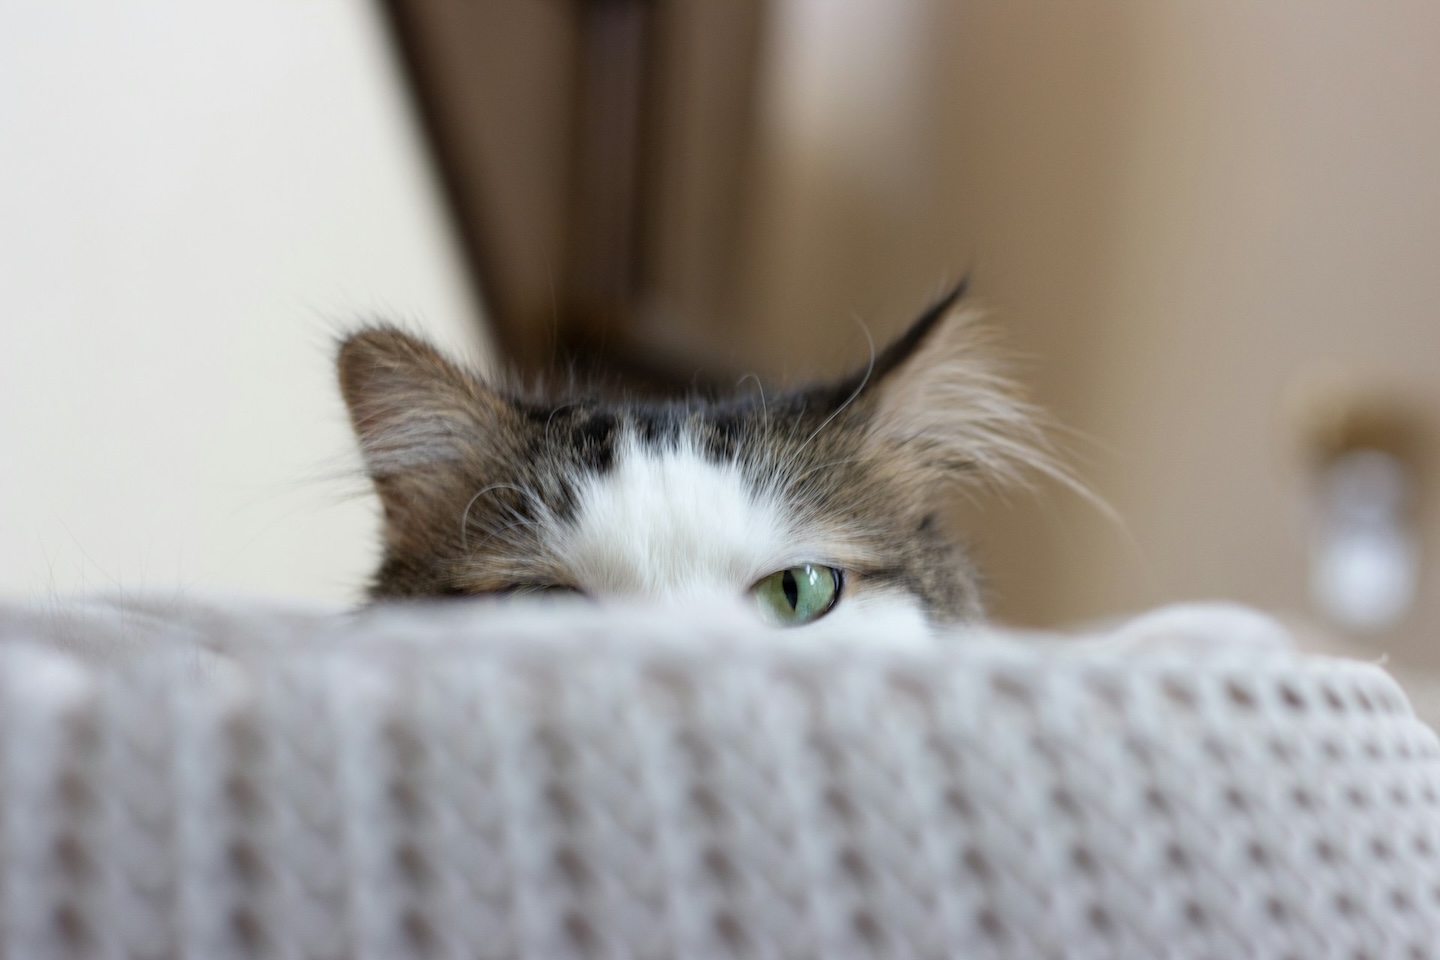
x=818, y=500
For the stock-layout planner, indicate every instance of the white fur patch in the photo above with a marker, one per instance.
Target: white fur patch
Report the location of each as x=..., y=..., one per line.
x=673, y=526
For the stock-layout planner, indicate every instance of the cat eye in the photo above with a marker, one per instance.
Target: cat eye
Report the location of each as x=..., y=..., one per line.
x=797, y=595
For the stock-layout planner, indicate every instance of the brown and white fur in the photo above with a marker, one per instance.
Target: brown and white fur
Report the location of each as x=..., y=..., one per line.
x=486, y=490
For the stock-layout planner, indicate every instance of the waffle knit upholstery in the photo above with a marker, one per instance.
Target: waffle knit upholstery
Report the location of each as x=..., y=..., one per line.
x=198, y=782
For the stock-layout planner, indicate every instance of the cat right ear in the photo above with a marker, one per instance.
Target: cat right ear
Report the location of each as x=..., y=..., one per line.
x=410, y=406
x=938, y=402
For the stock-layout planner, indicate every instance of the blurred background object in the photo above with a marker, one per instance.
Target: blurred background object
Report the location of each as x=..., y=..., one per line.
x=1175, y=212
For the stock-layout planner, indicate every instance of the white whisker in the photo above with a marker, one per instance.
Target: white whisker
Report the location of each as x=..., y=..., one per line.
x=764, y=412
x=465, y=516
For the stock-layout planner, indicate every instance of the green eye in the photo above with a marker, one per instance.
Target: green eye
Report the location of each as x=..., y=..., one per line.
x=797, y=595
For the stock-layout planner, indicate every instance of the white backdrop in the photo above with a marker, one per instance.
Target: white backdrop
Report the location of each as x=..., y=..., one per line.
x=194, y=198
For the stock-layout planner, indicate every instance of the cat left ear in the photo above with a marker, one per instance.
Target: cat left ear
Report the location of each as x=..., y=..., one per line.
x=411, y=407
x=938, y=400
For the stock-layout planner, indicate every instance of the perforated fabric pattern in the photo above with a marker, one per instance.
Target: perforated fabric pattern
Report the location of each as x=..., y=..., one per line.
x=376, y=791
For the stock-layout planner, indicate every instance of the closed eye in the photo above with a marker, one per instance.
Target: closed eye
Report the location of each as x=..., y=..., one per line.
x=538, y=589
x=514, y=590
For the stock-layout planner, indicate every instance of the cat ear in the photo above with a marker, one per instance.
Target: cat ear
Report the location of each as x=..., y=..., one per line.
x=411, y=407
x=938, y=401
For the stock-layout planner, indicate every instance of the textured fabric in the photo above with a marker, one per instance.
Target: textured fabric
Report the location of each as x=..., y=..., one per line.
x=559, y=783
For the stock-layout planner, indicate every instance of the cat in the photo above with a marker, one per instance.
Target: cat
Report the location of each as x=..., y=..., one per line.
x=817, y=503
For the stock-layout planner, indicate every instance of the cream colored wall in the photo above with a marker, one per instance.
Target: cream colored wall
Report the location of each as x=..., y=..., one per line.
x=194, y=198
x=1175, y=210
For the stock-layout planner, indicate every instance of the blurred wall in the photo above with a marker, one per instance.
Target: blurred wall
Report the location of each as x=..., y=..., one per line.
x=1176, y=211
x=194, y=199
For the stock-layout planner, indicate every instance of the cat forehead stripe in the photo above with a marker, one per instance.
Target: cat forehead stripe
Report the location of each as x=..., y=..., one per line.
x=669, y=520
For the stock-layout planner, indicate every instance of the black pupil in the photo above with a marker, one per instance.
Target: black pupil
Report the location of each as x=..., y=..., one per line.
x=791, y=588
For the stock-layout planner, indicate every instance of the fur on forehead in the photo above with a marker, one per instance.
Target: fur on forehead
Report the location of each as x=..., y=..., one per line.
x=932, y=408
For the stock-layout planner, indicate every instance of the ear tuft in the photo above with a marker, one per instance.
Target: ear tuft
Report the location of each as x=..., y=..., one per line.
x=409, y=405
x=944, y=404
